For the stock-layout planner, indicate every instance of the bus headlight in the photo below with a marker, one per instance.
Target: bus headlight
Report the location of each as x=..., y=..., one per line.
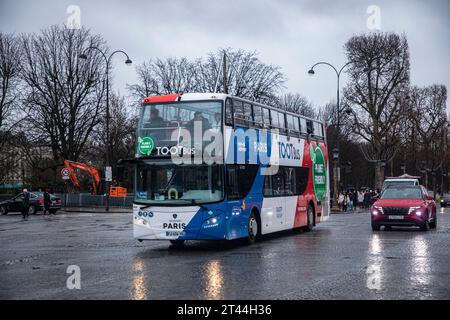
x=140, y=221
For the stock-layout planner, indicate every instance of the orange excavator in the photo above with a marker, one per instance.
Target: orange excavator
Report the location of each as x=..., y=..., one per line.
x=71, y=165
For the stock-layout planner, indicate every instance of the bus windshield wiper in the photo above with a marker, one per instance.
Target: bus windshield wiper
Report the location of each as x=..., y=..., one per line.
x=145, y=205
x=194, y=202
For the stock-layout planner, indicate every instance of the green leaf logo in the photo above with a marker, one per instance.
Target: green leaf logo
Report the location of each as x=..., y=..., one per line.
x=145, y=145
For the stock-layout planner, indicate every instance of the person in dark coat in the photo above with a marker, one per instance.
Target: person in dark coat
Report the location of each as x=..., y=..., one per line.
x=25, y=204
x=47, y=202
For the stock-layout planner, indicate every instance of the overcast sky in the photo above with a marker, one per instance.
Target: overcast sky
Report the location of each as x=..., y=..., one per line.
x=293, y=34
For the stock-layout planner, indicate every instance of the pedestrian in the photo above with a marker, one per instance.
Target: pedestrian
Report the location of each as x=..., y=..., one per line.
x=47, y=201
x=25, y=204
x=361, y=199
x=355, y=200
x=340, y=200
x=366, y=199
x=350, y=201
x=345, y=202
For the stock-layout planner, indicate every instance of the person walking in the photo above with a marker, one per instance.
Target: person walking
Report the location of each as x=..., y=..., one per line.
x=345, y=202
x=25, y=204
x=340, y=200
x=355, y=200
x=47, y=201
x=361, y=199
x=350, y=201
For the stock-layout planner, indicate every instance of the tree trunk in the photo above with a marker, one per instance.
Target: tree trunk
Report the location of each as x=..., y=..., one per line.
x=379, y=176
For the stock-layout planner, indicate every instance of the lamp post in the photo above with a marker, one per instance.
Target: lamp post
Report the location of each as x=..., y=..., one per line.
x=336, y=162
x=107, y=61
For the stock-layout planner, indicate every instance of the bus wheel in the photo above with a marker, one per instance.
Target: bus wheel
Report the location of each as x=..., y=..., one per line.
x=252, y=228
x=310, y=218
x=177, y=243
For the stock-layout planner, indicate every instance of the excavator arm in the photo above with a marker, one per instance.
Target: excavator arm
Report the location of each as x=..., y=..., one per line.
x=71, y=165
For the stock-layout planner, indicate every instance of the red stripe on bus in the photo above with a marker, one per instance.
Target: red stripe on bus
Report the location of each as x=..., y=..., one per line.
x=164, y=98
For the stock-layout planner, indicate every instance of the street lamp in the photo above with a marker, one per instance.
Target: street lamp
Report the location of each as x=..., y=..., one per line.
x=336, y=163
x=108, y=61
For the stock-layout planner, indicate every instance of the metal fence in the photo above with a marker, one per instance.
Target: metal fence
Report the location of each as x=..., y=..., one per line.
x=88, y=200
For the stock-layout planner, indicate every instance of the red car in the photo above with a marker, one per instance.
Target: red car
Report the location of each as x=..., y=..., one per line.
x=404, y=206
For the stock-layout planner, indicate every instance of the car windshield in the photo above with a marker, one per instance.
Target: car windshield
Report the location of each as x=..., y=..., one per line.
x=161, y=184
x=401, y=193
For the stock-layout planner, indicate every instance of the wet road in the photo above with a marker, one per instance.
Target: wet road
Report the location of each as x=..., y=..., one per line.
x=341, y=259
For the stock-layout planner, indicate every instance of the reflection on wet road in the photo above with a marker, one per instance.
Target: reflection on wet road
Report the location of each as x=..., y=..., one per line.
x=341, y=259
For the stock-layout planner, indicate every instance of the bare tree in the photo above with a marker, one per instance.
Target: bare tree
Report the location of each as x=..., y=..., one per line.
x=64, y=95
x=296, y=103
x=246, y=76
x=377, y=91
x=10, y=114
x=122, y=134
x=429, y=122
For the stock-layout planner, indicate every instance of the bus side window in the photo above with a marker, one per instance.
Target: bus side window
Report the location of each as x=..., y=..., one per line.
x=309, y=127
x=248, y=113
x=240, y=179
x=274, y=117
x=301, y=179
x=229, y=112
x=257, y=116
x=266, y=117
x=303, y=126
x=296, y=125
x=282, y=120
x=317, y=129
x=238, y=112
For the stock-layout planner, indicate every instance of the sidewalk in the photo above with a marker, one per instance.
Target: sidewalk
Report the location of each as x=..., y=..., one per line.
x=97, y=210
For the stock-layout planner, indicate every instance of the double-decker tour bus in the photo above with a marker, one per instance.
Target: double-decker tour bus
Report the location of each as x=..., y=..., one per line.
x=214, y=166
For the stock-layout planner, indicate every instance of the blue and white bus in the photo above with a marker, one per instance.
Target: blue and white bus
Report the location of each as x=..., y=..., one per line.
x=213, y=166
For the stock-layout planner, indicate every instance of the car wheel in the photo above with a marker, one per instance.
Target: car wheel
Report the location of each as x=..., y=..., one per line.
x=433, y=224
x=426, y=225
x=32, y=210
x=375, y=228
x=53, y=211
x=253, y=228
x=3, y=210
x=309, y=218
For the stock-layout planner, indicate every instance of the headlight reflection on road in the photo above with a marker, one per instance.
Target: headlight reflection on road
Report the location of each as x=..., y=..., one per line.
x=213, y=279
x=139, y=290
x=420, y=262
x=375, y=264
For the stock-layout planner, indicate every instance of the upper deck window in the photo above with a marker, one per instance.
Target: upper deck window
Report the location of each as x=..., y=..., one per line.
x=160, y=120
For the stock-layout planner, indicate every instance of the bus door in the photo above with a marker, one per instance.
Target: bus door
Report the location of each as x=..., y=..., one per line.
x=274, y=207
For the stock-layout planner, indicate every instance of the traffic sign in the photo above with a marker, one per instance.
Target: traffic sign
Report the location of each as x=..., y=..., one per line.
x=65, y=173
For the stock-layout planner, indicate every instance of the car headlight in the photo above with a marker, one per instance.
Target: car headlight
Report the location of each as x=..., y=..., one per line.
x=412, y=209
x=376, y=210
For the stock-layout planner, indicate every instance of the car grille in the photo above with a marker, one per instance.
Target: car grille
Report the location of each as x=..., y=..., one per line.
x=395, y=210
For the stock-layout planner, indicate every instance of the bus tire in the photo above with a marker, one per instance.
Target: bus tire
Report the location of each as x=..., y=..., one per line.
x=309, y=218
x=177, y=243
x=253, y=228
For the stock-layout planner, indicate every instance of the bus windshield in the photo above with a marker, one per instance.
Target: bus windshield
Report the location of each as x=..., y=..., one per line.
x=159, y=184
x=159, y=121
